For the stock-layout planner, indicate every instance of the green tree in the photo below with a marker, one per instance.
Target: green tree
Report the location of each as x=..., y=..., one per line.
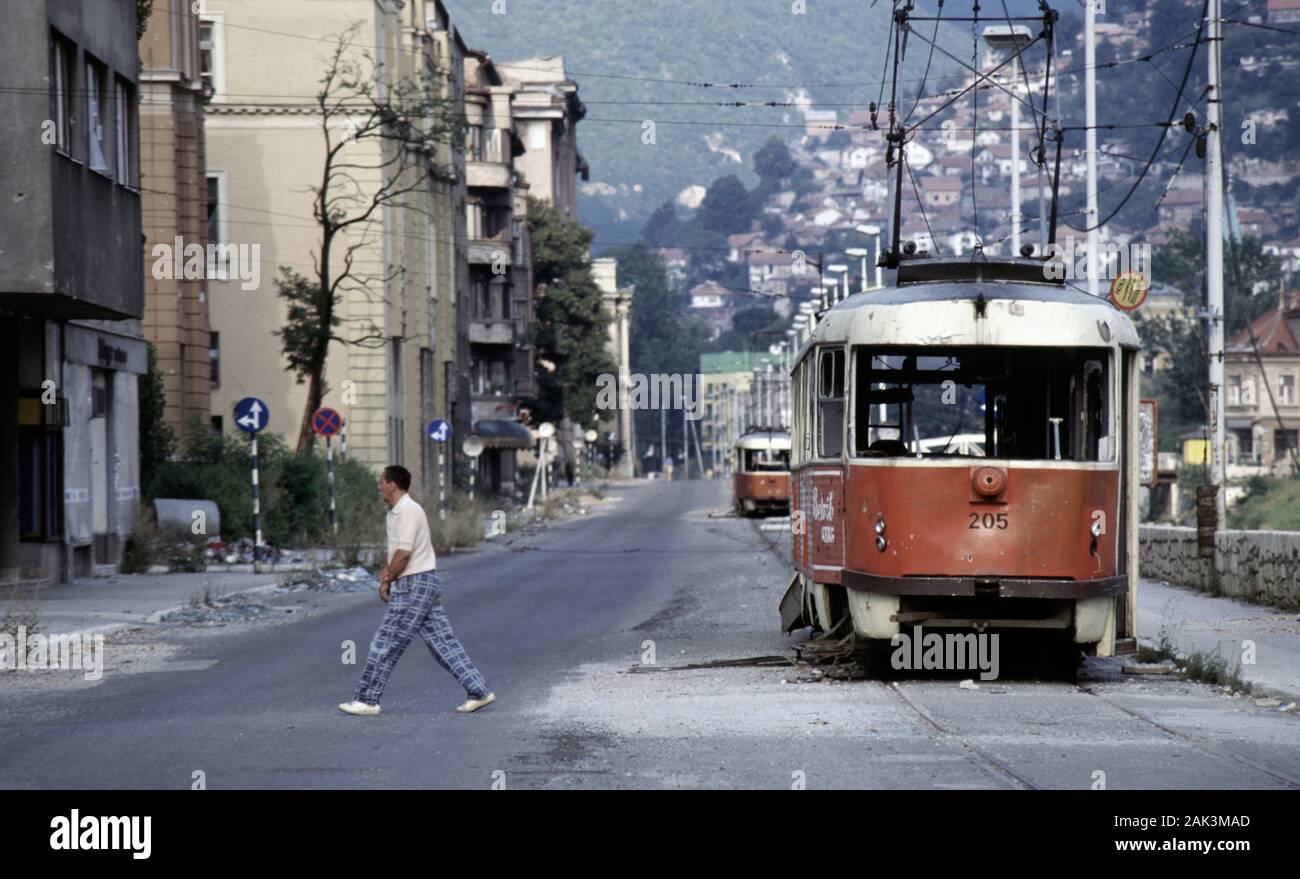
x=378, y=132
x=663, y=228
x=751, y=329
x=143, y=9
x=727, y=207
x=773, y=163
x=1181, y=262
x=157, y=441
x=572, y=328
x=663, y=338
x=1182, y=386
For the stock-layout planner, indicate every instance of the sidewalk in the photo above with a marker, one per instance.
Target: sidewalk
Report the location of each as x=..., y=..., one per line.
x=1196, y=621
x=106, y=604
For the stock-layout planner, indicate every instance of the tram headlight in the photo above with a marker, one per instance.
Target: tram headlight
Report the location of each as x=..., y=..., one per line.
x=881, y=543
x=880, y=526
x=1096, y=528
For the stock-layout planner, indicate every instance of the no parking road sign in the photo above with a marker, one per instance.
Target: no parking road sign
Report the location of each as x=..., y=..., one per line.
x=326, y=422
x=252, y=415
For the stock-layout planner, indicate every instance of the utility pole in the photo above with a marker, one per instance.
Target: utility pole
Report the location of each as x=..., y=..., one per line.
x=663, y=439
x=1090, y=137
x=686, y=446
x=1214, y=258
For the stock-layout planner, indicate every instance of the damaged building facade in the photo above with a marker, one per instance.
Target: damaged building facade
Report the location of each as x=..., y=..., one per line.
x=71, y=289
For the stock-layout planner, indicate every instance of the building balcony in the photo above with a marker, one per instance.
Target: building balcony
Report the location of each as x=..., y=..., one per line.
x=487, y=174
x=495, y=250
x=492, y=331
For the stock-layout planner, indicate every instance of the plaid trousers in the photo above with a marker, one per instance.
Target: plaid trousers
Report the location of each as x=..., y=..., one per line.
x=415, y=605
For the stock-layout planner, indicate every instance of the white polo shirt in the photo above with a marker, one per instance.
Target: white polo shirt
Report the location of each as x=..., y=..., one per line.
x=408, y=529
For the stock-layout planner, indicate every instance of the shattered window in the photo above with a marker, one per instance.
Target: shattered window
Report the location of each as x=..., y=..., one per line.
x=830, y=402
x=1019, y=403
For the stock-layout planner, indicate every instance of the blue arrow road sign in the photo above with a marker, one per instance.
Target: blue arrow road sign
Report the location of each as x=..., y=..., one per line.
x=439, y=430
x=251, y=415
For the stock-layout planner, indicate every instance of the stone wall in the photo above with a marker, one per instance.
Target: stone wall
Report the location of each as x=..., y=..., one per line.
x=1260, y=566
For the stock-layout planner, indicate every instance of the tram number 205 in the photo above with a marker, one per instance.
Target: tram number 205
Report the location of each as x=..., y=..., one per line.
x=988, y=520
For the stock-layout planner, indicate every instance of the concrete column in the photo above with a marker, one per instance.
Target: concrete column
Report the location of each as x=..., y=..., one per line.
x=9, y=562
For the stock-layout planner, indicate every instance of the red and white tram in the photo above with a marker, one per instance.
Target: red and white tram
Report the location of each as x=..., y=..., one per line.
x=761, y=473
x=1035, y=526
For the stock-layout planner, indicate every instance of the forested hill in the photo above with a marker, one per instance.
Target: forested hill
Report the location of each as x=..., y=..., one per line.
x=634, y=59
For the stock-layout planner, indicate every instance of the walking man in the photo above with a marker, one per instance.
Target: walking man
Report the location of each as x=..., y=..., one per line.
x=409, y=585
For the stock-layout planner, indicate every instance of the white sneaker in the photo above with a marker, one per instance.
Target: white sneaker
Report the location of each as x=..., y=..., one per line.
x=364, y=709
x=476, y=704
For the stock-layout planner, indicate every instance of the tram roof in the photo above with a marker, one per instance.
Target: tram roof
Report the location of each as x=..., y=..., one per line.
x=778, y=440
x=945, y=313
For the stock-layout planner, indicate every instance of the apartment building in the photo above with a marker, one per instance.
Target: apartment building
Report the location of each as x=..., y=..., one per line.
x=395, y=360
x=71, y=288
x=1262, y=407
x=175, y=207
x=500, y=307
x=547, y=110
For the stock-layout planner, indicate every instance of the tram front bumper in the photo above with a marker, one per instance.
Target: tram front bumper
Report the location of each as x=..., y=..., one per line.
x=987, y=587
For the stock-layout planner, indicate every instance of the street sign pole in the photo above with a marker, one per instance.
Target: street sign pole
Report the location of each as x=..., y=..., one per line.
x=442, y=487
x=439, y=431
x=472, y=447
x=252, y=416
x=329, y=463
x=257, y=512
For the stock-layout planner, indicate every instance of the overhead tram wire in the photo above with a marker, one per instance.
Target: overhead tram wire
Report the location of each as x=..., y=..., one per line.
x=308, y=101
x=929, y=58
x=921, y=204
x=1187, y=71
x=687, y=82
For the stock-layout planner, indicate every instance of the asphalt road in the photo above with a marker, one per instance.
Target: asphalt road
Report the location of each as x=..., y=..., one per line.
x=578, y=631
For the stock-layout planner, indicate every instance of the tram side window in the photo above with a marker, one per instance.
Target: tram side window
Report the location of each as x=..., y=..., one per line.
x=830, y=403
x=1019, y=403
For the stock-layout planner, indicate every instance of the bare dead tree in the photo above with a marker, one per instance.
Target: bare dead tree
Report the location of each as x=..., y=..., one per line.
x=381, y=134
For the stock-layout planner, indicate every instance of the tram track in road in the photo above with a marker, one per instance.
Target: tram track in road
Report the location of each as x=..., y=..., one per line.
x=992, y=766
x=1196, y=742
x=773, y=543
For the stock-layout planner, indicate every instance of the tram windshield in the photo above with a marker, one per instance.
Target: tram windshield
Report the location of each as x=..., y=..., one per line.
x=759, y=460
x=967, y=402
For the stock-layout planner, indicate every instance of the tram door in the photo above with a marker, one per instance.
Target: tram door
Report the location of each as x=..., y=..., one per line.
x=825, y=477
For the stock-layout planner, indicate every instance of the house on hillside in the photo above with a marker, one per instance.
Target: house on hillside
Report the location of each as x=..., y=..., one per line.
x=1257, y=431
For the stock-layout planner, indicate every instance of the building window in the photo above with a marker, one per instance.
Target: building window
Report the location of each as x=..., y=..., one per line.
x=1234, y=390
x=124, y=118
x=212, y=54
x=396, y=401
x=218, y=214
x=63, y=76
x=474, y=142
x=40, y=488
x=1286, y=390
x=214, y=357
x=96, y=88
x=474, y=221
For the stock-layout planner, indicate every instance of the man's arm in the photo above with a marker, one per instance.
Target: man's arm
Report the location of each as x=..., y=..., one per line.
x=396, y=566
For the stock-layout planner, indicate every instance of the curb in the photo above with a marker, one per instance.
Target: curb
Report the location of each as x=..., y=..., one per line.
x=1257, y=690
x=156, y=616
